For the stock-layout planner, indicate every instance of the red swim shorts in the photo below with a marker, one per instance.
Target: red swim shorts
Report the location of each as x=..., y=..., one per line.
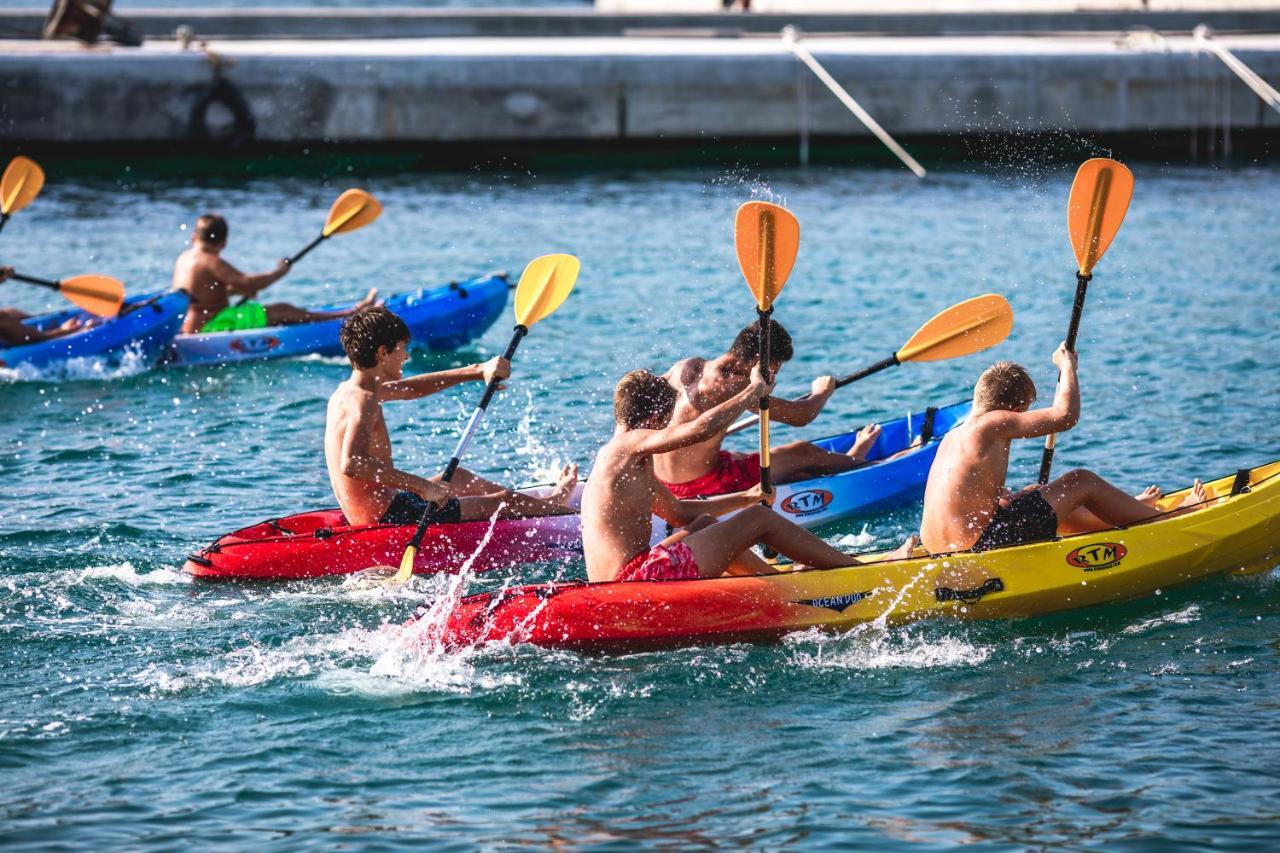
x=661, y=563
x=734, y=472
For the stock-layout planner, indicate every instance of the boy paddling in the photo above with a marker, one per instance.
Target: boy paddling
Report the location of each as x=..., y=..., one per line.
x=210, y=282
x=623, y=493
x=966, y=503
x=357, y=447
x=704, y=468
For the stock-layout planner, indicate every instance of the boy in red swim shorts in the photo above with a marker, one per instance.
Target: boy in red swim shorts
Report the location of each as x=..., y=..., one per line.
x=623, y=494
x=704, y=468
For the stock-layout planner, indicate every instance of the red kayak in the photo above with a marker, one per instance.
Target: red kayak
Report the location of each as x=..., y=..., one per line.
x=315, y=544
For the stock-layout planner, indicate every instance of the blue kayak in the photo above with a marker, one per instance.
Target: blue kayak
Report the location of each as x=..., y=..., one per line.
x=894, y=480
x=141, y=331
x=439, y=319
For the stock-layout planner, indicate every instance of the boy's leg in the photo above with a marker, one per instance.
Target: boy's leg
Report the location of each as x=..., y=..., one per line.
x=802, y=460
x=1080, y=489
x=284, y=314
x=720, y=545
x=467, y=484
x=747, y=563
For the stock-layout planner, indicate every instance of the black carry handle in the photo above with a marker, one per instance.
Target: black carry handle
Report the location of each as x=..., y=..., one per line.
x=1077, y=310
x=454, y=461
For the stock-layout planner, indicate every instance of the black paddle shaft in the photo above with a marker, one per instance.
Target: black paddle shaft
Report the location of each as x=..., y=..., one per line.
x=316, y=242
x=1077, y=311
x=4, y=217
x=42, y=282
x=291, y=261
x=891, y=361
x=489, y=390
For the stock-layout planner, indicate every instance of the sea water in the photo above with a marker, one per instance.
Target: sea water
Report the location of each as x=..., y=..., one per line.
x=139, y=708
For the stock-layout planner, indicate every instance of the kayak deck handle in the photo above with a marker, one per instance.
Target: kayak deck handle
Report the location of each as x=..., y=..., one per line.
x=969, y=596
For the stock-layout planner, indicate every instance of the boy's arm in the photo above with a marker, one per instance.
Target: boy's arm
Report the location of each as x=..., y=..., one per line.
x=426, y=384
x=1060, y=417
x=358, y=463
x=682, y=512
x=707, y=425
x=802, y=410
x=247, y=285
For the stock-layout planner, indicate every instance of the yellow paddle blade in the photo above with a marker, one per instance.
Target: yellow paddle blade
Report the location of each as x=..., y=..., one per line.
x=97, y=294
x=21, y=183
x=1099, y=199
x=767, y=237
x=963, y=329
x=545, y=283
x=406, y=565
x=353, y=209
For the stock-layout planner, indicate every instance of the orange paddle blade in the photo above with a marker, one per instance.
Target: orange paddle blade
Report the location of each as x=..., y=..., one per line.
x=20, y=183
x=963, y=329
x=97, y=294
x=1099, y=199
x=545, y=283
x=353, y=209
x=767, y=237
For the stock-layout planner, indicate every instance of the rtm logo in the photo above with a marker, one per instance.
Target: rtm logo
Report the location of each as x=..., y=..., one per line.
x=253, y=345
x=807, y=502
x=1100, y=555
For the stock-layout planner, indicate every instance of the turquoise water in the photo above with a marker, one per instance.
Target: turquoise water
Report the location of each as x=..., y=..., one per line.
x=142, y=710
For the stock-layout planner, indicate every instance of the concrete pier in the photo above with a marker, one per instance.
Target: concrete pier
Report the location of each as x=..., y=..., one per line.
x=604, y=89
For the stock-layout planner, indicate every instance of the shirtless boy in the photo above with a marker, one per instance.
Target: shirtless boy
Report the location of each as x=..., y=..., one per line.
x=966, y=504
x=357, y=447
x=14, y=332
x=623, y=494
x=703, y=468
x=211, y=282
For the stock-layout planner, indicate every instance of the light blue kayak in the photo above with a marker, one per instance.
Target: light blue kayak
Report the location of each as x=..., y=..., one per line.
x=141, y=331
x=439, y=319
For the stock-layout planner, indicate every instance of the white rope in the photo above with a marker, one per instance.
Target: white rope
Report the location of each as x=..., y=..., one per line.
x=1260, y=87
x=792, y=43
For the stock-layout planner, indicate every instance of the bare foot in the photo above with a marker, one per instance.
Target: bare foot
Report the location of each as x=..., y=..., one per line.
x=370, y=298
x=1149, y=496
x=866, y=438
x=564, y=485
x=1196, y=495
x=904, y=551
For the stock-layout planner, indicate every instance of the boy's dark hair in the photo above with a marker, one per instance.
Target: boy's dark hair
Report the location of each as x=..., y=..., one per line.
x=746, y=346
x=366, y=330
x=641, y=395
x=211, y=228
x=1005, y=385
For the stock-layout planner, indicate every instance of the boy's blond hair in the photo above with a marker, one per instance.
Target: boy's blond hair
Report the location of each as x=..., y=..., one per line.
x=1004, y=385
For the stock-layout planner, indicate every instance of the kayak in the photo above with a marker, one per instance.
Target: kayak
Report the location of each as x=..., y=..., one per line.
x=1236, y=530
x=439, y=319
x=314, y=544
x=141, y=331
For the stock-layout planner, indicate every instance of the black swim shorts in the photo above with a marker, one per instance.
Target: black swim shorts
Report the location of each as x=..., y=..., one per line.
x=407, y=508
x=1028, y=518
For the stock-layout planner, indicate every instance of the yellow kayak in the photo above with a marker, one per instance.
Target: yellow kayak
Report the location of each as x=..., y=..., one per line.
x=1236, y=530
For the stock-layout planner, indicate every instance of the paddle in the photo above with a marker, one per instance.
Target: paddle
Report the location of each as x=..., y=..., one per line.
x=352, y=210
x=545, y=284
x=963, y=329
x=1099, y=199
x=20, y=183
x=767, y=238
x=97, y=294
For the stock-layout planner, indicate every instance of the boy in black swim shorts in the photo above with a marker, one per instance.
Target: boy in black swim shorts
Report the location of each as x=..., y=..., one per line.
x=357, y=446
x=966, y=502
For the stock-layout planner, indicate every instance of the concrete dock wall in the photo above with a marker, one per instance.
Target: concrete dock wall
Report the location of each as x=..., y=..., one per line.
x=460, y=90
